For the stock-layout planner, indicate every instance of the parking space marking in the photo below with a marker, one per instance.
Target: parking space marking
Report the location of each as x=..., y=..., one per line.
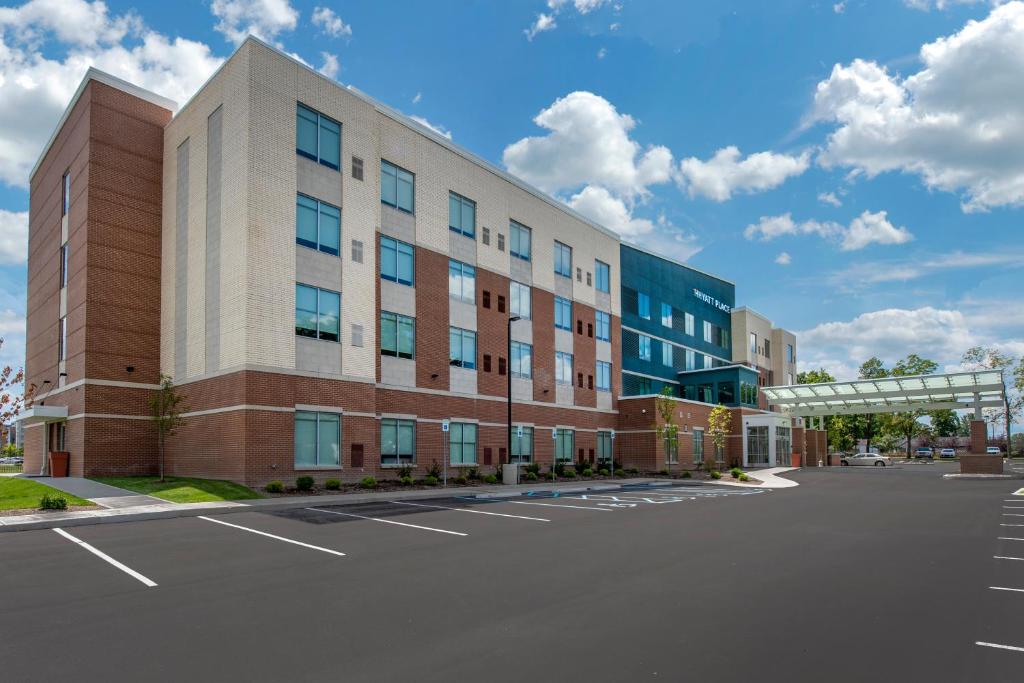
x=1003, y=588
x=475, y=512
x=107, y=558
x=389, y=521
x=1012, y=514
x=1001, y=524
x=277, y=538
x=555, y=505
x=1008, y=538
x=1003, y=557
x=1000, y=647
x=1013, y=507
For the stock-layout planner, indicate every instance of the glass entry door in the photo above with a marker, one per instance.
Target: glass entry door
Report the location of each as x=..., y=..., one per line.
x=783, y=446
x=757, y=445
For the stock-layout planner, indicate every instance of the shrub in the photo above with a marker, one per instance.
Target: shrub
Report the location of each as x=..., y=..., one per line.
x=743, y=476
x=304, y=483
x=686, y=474
x=368, y=483
x=560, y=469
x=633, y=470
x=533, y=467
x=620, y=472
x=53, y=501
x=603, y=471
x=532, y=476
x=405, y=481
x=332, y=485
x=569, y=474
x=430, y=480
x=490, y=479
x=405, y=471
x=461, y=481
x=663, y=472
x=274, y=487
x=434, y=470
x=715, y=474
x=588, y=472
x=735, y=472
x=473, y=473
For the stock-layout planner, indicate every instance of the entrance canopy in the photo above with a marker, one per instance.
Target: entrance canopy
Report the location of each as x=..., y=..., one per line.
x=957, y=390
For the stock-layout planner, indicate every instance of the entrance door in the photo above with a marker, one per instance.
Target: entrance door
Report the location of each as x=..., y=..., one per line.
x=55, y=436
x=757, y=445
x=783, y=446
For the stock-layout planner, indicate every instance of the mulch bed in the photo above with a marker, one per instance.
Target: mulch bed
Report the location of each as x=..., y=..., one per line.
x=36, y=511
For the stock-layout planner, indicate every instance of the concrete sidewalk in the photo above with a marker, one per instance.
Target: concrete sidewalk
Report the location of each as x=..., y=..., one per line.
x=767, y=477
x=102, y=494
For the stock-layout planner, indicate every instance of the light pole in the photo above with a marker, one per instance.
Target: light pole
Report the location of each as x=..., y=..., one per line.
x=508, y=341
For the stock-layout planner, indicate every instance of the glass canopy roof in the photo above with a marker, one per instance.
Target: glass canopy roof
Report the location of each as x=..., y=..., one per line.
x=977, y=389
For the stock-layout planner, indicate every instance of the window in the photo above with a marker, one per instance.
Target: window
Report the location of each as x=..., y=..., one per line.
x=748, y=393
x=64, y=265
x=643, y=305
x=397, y=442
x=563, y=367
x=62, y=339
x=643, y=385
x=579, y=274
x=485, y=236
x=357, y=335
x=563, y=314
x=604, y=325
x=520, y=295
x=462, y=348
x=397, y=335
x=357, y=168
x=645, y=347
x=563, y=259
x=767, y=348
x=317, y=225
x=396, y=261
x=713, y=334
x=708, y=362
x=604, y=446
x=589, y=279
x=519, y=240
x=790, y=356
x=317, y=439
x=602, y=276
x=318, y=137
x=501, y=241
x=522, y=446
x=564, y=445
x=65, y=194
x=317, y=313
x=688, y=318
x=462, y=443
x=604, y=376
x=789, y=378
x=691, y=359
x=666, y=354
x=753, y=344
x=707, y=331
x=357, y=251
x=461, y=214
x=705, y=393
x=666, y=315
x=397, y=187
x=522, y=360
x=726, y=392
x=461, y=281
x=671, y=449
x=698, y=446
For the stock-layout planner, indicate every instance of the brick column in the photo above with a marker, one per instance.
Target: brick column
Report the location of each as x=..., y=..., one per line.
x=979, y=437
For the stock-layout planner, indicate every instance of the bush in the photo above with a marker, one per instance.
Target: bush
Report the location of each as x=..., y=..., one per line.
x=473, y=473
x=743, y=476
x=405, y=472
x=560, y=469
x=633, y=470
x=53, y=501
x=332, y=485
x=434, y=470
x=663, y=472
x=715, y=474
x=620, y=472
x=686, y=474
x=405, y=481
x=368, y=483
x=461, y=481
x=588, y=472
x=430, y=480
x=569, y=474
x=274, y=487
x=603, y=471
x=531, y=476
x=490, y=479
x=533, y=467
x=735, y=472
x=304, y=483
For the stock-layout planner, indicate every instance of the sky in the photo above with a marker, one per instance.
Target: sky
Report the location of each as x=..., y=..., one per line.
x=856, y=168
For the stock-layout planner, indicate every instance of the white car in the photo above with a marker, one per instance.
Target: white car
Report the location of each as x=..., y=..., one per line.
x=866, y=459
x=993, y=450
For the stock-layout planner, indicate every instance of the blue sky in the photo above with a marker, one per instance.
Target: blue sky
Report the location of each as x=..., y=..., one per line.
x=856, y=168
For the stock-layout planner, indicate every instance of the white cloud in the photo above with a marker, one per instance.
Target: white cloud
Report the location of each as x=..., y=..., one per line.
x=262, y=18
x=784, y=259
x=582, y=6
x=867, y=228
x=839, y=7
x=544, y=22
x=440, y=130
x=74, y=22
x=726, y=173
x=12, y=332
x=330, y=23
x=866, y=273
x=614, y=27
x=35, y=89
x=829, y=198
x=417, y=98
x=602, y=53
x=331, y=67
x=928, y=5
x=958, y=122
x=13, y=237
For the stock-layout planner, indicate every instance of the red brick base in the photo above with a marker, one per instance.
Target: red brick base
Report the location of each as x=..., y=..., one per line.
x=981, y=464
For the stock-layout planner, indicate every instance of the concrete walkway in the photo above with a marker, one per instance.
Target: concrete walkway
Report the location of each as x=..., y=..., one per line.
x=768, y=477
x=102, y=494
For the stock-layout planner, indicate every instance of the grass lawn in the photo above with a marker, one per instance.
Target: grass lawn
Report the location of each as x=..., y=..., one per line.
x=24, y=494
x=183, y=489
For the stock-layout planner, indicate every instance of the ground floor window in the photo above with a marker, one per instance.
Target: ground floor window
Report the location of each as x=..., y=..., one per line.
x=397, y=441
x=317, y=439
x=604, y=446
x=757, y=445
x=564, y=444
x=671, y=450
x=522, y=445
x=783, y=446
x=462, y=443
x=698, y=446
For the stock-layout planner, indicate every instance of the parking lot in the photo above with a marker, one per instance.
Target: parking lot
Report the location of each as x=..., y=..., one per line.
x=856, y=574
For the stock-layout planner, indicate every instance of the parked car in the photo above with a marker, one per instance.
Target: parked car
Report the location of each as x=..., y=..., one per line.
x=924, y=453
x=993, y=450
x=865, y=459
x=947, y=453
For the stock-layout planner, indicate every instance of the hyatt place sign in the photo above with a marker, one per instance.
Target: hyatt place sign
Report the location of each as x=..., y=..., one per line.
x=710, y=300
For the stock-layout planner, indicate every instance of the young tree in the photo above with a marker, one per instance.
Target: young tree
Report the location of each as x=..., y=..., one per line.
x=11, y=404
x=166, y=407
x=719, y=426
x=990, y=358
x=840, y=432
x=814, y=376
x=667, y=429
x=945, y=422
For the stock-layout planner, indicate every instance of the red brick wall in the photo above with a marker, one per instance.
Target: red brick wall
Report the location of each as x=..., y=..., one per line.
x=492, y=332
x=543, y=304
x=979, y=437
x=584, y=350
x=981, y=464
x=432, y=327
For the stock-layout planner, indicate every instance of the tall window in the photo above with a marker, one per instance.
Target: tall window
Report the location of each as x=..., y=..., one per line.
x=706, y=393
x=519, y=240
x=397, y=335
x=64, y=265
x=462, y=348
x=62, y=339
x=753, y=344
x=317, y=313
x=666, y=354
x=688, y=323
x=602, y=276
x=317, y=439
x=709, y=362
x=65, y=194
x=691, y=359
x=396, y=261
x=318, y=137
x=563, y=313
x=397, y=442
x=767, y=348
x=461, y=214
x=520, y=296
x=713, y=334
x=565, y=440
x=671, y=450
x=317, y=225
x=645, y=346
x=522, y=445
x=726, y=392
x=563, y=259
x=462, y=443
x=698, y=445
x=603, y=376
x=397, y=187
x=563, y=367
x=603, y=322
x=461, y=281
x=522, y=360
x=604, y=447
x=643, y=303
x=789, y=354
x=666, y=314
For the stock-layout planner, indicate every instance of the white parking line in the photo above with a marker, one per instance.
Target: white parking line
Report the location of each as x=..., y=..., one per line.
x=103, y=556
x=555, y=505
x=277, y=538
x=1001, y=588
x=1003, y=557
x=1002, y=524
x=475, y=512
x=389, y=521
x=1008, y=538
x=1012, y=514
x=1013, y=507
x=1000, y=647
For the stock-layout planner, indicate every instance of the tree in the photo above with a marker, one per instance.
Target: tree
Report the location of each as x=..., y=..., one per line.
x=906, y=425
x=668, y=430
x=990, y=358
x=814, y=376
x=719, y=426
x=840, y=432
x=165, y=406
x=11, y=404
x=945, y=422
